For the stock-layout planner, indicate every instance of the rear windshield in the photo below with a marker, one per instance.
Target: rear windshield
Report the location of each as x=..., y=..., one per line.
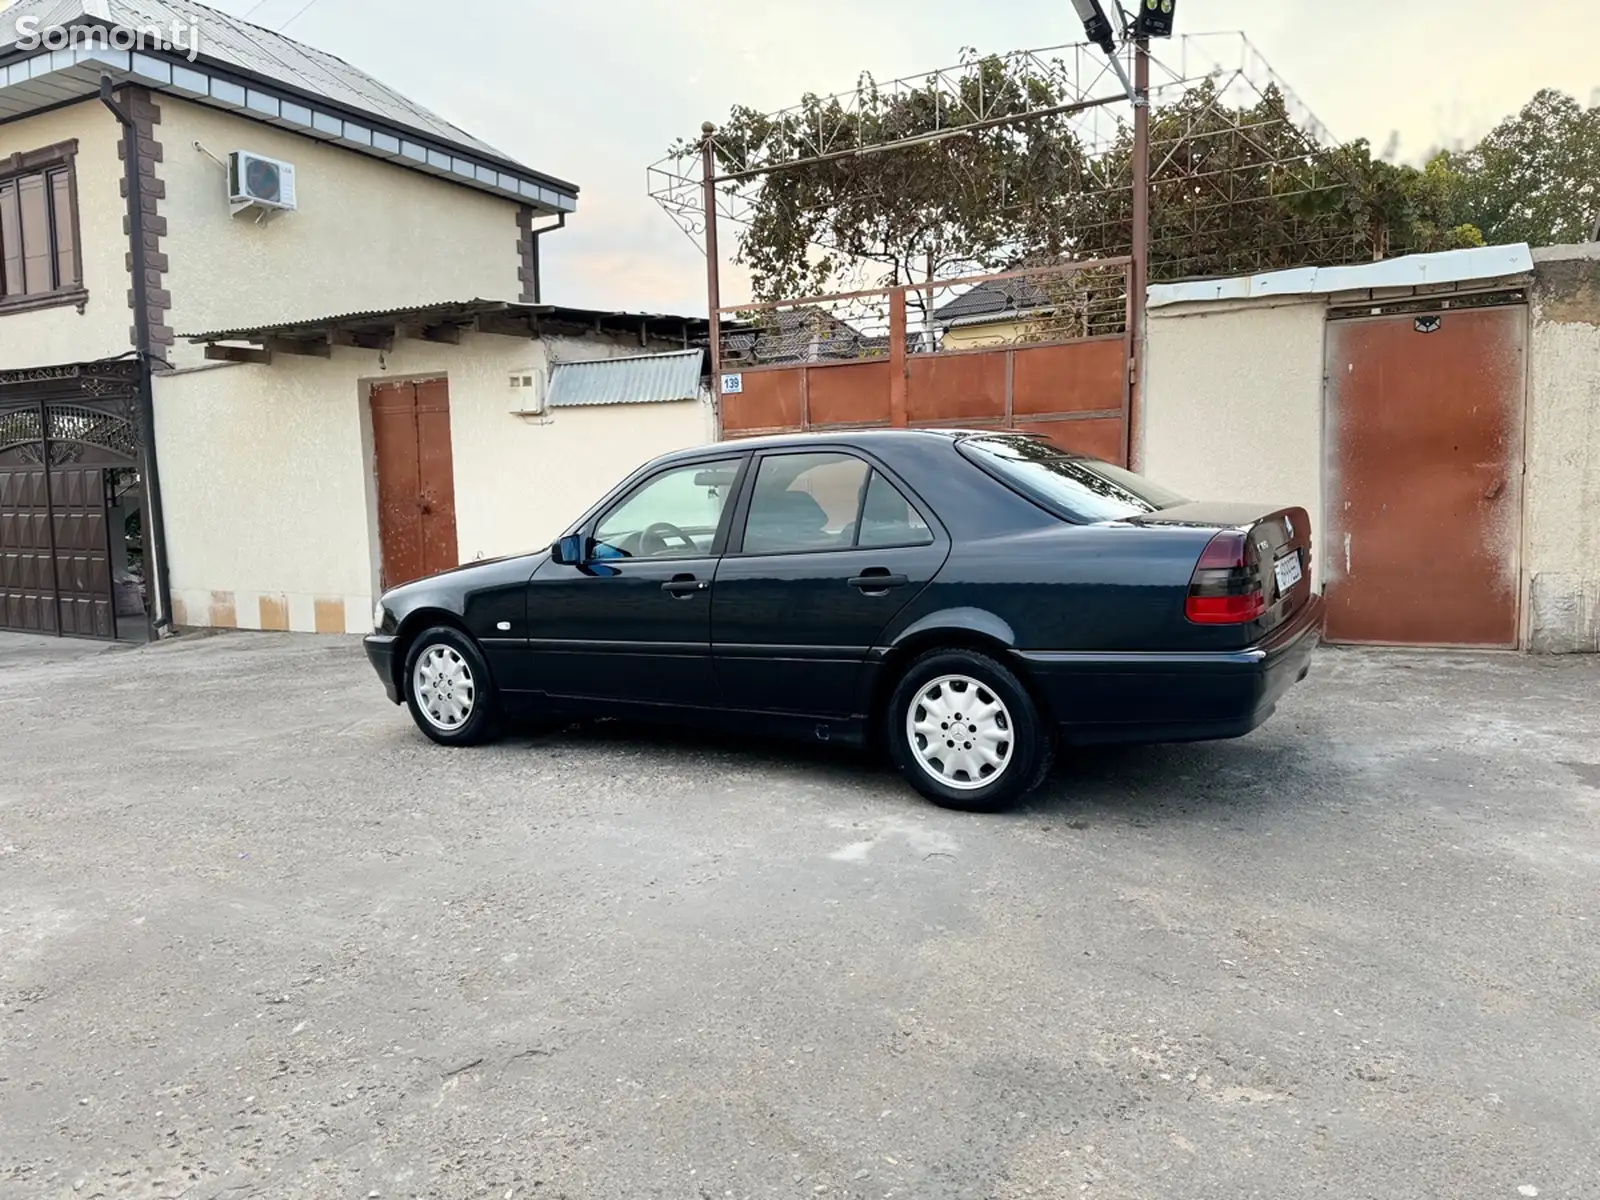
x=1080, y=489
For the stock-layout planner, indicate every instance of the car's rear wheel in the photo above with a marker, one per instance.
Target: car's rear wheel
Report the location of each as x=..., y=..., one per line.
x=965, y=732
x=448, y=688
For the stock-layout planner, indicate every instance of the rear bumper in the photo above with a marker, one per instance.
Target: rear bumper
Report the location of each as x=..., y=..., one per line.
x=1183, y=697
x=380, y=653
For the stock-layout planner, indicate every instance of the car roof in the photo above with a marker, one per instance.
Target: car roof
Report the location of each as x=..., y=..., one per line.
x=865, y=439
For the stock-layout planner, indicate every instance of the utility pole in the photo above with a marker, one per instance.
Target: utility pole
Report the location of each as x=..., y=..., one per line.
x=708, y=175
x=1139, y=270
x=1153, y=18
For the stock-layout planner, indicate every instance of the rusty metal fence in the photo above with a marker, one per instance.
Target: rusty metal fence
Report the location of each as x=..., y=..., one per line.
x=1041, y=349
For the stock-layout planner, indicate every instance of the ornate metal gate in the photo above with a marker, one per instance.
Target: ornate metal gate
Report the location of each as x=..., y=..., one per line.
x=69, y=448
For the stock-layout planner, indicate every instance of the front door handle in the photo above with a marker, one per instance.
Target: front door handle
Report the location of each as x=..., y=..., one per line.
x=878, y=583
x=685, y=587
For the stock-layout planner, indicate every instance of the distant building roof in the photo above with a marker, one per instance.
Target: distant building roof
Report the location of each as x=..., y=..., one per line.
x=995, y=300
x=804, y=334
x=1410, y=271
x=257, y=73
x=639, y=379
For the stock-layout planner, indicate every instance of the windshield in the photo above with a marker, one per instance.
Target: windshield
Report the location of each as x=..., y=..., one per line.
x=1080, y=489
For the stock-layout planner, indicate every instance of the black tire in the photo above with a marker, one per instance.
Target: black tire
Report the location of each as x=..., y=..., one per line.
x=1026, y=757
x=482, y=721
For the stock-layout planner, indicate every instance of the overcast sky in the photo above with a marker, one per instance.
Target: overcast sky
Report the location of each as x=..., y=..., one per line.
x=593, y=92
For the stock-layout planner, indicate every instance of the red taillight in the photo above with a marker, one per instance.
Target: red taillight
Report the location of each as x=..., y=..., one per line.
x=1225, y=588
x=1224, y=610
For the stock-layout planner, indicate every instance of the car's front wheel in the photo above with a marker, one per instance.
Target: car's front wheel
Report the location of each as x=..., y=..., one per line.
x=966, y=733
x=448, y=689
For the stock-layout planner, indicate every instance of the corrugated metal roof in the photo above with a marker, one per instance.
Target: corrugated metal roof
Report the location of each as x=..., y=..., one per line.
x=463, y=312
x=442, y=312
x=1413, y=270
x=230, y=42
x=642, y=379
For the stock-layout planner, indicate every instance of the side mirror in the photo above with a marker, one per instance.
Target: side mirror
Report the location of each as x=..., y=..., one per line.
x=570, y=551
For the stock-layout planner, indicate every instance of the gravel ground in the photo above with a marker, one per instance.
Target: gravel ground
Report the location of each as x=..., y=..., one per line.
x=259, y=938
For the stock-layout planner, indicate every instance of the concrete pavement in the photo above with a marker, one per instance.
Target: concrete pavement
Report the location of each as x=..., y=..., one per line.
x=259, y=938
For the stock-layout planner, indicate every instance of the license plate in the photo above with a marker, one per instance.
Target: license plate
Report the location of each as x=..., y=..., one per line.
x=1288, y=571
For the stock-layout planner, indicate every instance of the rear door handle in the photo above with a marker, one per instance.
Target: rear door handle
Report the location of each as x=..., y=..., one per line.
x=878, y=583
x=685, y=587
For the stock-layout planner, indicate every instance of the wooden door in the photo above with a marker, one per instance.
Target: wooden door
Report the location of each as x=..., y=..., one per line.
x=1424, y=491
x=416, y=481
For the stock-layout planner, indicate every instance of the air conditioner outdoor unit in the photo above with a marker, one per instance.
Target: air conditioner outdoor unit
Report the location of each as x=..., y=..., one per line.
x=260, y=184
x=527, y=392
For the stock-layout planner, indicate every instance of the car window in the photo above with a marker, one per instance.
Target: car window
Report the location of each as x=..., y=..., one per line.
x=888, y=519
x=1070, y=485
x=805, y=502
x=673, y=515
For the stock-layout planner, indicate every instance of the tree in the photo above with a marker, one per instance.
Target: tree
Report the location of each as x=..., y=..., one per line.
x=1234, y=189
x=922, y=211
x=1536, y=176
x=1397, y=209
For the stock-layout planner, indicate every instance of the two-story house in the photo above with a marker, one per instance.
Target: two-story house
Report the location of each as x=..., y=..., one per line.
x=311, y=358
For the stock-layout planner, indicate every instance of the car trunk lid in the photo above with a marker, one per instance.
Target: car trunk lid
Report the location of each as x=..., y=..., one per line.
x=1268, y=550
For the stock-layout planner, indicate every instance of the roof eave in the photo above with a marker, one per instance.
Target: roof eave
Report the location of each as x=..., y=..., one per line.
x=445, y=322
x=54, y=77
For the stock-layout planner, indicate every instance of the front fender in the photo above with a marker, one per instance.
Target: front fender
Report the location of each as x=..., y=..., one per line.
x=425, y=600
x=487, y=599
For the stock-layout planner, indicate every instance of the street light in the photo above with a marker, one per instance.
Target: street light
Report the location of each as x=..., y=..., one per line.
x=1095, y=24
x=1154, y=19
x=1103, y=35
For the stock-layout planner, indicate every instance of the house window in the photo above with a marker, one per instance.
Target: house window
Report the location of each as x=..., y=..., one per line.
x=40, y=260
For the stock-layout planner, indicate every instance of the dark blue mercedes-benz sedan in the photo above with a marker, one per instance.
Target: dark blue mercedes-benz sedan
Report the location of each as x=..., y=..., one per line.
x=970, y=599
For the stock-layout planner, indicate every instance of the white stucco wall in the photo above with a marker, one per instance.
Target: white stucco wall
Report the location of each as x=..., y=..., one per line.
x=367, y=234
x=520, y=480
x=267, y=471
x=64, y=335
x=1562, y=515
x=1233, y=408
x=1233, y=403
x=265, y=493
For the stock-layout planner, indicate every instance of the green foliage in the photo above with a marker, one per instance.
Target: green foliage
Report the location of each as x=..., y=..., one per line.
x=1536, y=176
x=943, y=204
x=1233, y=189
x=1397, y=209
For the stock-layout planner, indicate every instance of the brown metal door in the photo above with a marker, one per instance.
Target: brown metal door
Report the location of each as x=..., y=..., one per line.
x=27, y=577
x=416, y=479
x=55, y=560
x=1424, y=416
x=83, y=554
